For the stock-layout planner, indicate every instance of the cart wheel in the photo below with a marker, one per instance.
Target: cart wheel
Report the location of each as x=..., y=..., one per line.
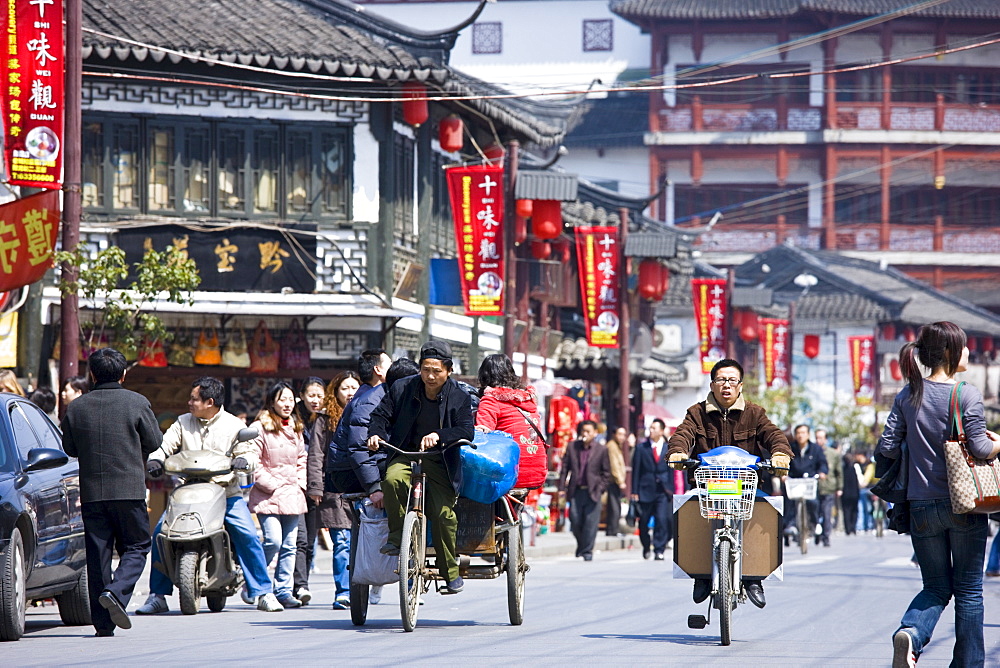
x=410, y=570
x=697, y=621
x=359, y=593
x=516, y=568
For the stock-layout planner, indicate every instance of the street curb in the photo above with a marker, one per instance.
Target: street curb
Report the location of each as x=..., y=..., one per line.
x=563, y=544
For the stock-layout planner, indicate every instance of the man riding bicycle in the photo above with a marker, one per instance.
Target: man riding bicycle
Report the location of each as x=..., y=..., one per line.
x=727, y=418
x=417, y=414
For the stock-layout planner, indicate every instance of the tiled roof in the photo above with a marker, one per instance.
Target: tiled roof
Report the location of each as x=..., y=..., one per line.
x=640, y=10
x=620, y=119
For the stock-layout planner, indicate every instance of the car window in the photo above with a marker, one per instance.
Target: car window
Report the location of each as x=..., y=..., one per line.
x=45, y=431
x=24, y=435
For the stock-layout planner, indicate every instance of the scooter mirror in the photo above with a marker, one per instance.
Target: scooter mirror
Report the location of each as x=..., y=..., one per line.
x=247, y=434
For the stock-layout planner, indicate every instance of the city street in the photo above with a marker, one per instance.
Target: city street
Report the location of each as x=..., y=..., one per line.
x=837, y=607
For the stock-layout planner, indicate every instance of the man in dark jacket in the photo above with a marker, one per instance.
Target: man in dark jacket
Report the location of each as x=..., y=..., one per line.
x=421, y=413
x=112, y=430
x=727, y=418
x=810, y=462
x=653, y=488
x=585, y=474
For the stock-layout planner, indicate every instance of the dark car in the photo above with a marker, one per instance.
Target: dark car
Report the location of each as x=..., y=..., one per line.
x=42, y=552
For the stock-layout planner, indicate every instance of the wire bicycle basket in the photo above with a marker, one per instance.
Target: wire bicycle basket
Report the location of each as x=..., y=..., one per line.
x=725, y=491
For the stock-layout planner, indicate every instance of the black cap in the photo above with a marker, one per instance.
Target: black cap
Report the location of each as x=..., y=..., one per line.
x=435, y=350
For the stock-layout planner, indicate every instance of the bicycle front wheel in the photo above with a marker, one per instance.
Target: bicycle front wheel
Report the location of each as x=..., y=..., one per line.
x=725, y=568
x=410, y=570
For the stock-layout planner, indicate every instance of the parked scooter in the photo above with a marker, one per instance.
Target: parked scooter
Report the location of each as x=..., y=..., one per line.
x=194, y=546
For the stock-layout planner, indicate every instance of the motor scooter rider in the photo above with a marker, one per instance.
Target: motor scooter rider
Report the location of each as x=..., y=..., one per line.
x=727, y=418
x=209, y=427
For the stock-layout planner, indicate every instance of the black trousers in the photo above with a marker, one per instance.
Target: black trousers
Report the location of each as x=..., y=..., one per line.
x=663, y=523
x=305, y=544
x=849, y=508
x=584, y=516
x=105, y=524
x=613, y=510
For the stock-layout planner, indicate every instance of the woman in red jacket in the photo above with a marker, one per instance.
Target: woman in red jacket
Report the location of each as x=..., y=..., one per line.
x=508, y=406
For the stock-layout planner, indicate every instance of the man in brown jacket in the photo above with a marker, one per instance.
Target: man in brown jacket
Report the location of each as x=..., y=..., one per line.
x=586, y=471
x=727, y=418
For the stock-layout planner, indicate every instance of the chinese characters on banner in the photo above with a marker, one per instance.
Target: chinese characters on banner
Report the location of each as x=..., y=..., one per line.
x=862, y=350
x=774, y=341
x=477, y=208
x=597, y=256
x=710, y=314
x=32, y=97
x=28, y=229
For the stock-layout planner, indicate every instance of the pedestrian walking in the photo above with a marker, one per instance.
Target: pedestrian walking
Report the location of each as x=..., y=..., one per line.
x=311, y=394
x=617, y=445
x=74, y=388
x=653, y=489
x=810, y=462
x=949, y=548
x=585, y=474
x=830, y=487
x=111, y=431
x=852, y=492
x=334, y=513
x=278, y=494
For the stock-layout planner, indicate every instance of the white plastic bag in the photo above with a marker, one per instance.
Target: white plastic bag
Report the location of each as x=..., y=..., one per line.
x=372, y=567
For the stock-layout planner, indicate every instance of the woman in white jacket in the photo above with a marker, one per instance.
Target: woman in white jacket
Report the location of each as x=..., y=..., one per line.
x=278, y=495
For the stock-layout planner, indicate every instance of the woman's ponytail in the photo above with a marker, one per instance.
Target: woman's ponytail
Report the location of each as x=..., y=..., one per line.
x=911, y=371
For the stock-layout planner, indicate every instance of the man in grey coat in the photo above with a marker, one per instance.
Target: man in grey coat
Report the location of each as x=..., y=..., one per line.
x=112, y=430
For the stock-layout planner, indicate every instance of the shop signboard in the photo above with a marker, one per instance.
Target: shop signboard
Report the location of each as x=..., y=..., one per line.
x=862, y=350
x=775, y=337
x=28, y=229
x=711, y=315
x=477, y=196
x=236, y=259
x=32, y=93
x=598, y=255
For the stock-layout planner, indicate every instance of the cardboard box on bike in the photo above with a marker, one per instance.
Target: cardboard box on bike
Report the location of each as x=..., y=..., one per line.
x=761, y=539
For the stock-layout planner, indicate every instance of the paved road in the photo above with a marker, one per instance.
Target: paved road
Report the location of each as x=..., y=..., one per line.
x=836, y=607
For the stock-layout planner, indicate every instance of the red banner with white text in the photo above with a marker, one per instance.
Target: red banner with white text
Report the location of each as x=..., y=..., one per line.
x=28, y=229
x=711, y=314
x=775, y=340
x=477, y=207
x=32, y=94
x=597, y=257
x=862, y=349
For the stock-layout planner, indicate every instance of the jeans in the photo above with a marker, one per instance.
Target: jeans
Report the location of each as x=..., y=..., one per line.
x=341, y=557
x=950, y=550
x=827, y=502
x=246, y=545
x=993, y=563
x=865, y=520
x=280, y=532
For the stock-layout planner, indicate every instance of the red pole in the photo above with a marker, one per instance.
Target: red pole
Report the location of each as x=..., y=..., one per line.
x=69, y=308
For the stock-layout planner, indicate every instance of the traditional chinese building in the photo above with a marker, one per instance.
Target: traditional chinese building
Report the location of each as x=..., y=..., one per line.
x=831, y=125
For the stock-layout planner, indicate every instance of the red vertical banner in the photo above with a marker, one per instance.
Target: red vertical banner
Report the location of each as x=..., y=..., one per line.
x=775, y=338
x=711, y=315
x=28, y=229
x=32, y=94
x=597, y=257
x=477, y=208
x=862, y=349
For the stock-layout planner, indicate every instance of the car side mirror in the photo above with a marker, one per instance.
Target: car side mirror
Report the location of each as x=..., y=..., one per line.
x=247, y=434
x=40, y=459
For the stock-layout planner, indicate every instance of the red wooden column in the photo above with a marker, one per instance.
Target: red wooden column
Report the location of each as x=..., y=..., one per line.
x=884, y=232
x=886, y=115
x=830, y=82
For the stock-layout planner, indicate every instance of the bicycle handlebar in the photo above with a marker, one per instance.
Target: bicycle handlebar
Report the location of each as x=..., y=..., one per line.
x=762, y=464
x=424, y=453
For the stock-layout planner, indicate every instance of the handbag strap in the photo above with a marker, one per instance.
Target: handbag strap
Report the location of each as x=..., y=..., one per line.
x=534, y=426
x=955, y=410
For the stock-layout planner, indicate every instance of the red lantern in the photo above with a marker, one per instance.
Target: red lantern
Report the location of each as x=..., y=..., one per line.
x=520, y=230
x=889, y=331
x=494, y=153
x=650, y=280
x=451, y=134
x=987, y=344
x=546, y=219
x=894, y=370
x=523, y=207
x=972, y=343
x=561, y=247
x=748, y=326
x=414, y=103
x=541, y=250
x=811, y=345
x=909, y=334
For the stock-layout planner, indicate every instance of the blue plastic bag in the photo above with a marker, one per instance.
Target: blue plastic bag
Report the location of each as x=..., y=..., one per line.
x=490, y=470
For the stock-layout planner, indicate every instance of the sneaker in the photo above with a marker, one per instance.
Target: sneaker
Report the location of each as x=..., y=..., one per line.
x=343, y=602
x=993, y=574
x=154, y=605
x=659, y=556
x=290, y=602
x=819, y=530
x=269, y=603
x=247, y=598
x=390, y=549
x=304, y=596
x=375, y=595
x=903, y=654
x=454, y=586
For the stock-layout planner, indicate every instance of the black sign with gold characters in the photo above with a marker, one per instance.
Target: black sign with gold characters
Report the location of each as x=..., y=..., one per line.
x=236, y=259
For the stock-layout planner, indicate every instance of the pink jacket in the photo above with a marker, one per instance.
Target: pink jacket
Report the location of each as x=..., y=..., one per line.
x=280, y=484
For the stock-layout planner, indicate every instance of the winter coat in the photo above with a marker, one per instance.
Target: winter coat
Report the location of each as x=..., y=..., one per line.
x=745, y=425
x=595, y=477
x=334, y=511
x=280, y=485
x=395, y=416
x=349, y=450
x=498, y=411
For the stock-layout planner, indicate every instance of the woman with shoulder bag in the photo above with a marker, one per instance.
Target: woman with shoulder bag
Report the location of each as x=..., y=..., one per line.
x=949, y=548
